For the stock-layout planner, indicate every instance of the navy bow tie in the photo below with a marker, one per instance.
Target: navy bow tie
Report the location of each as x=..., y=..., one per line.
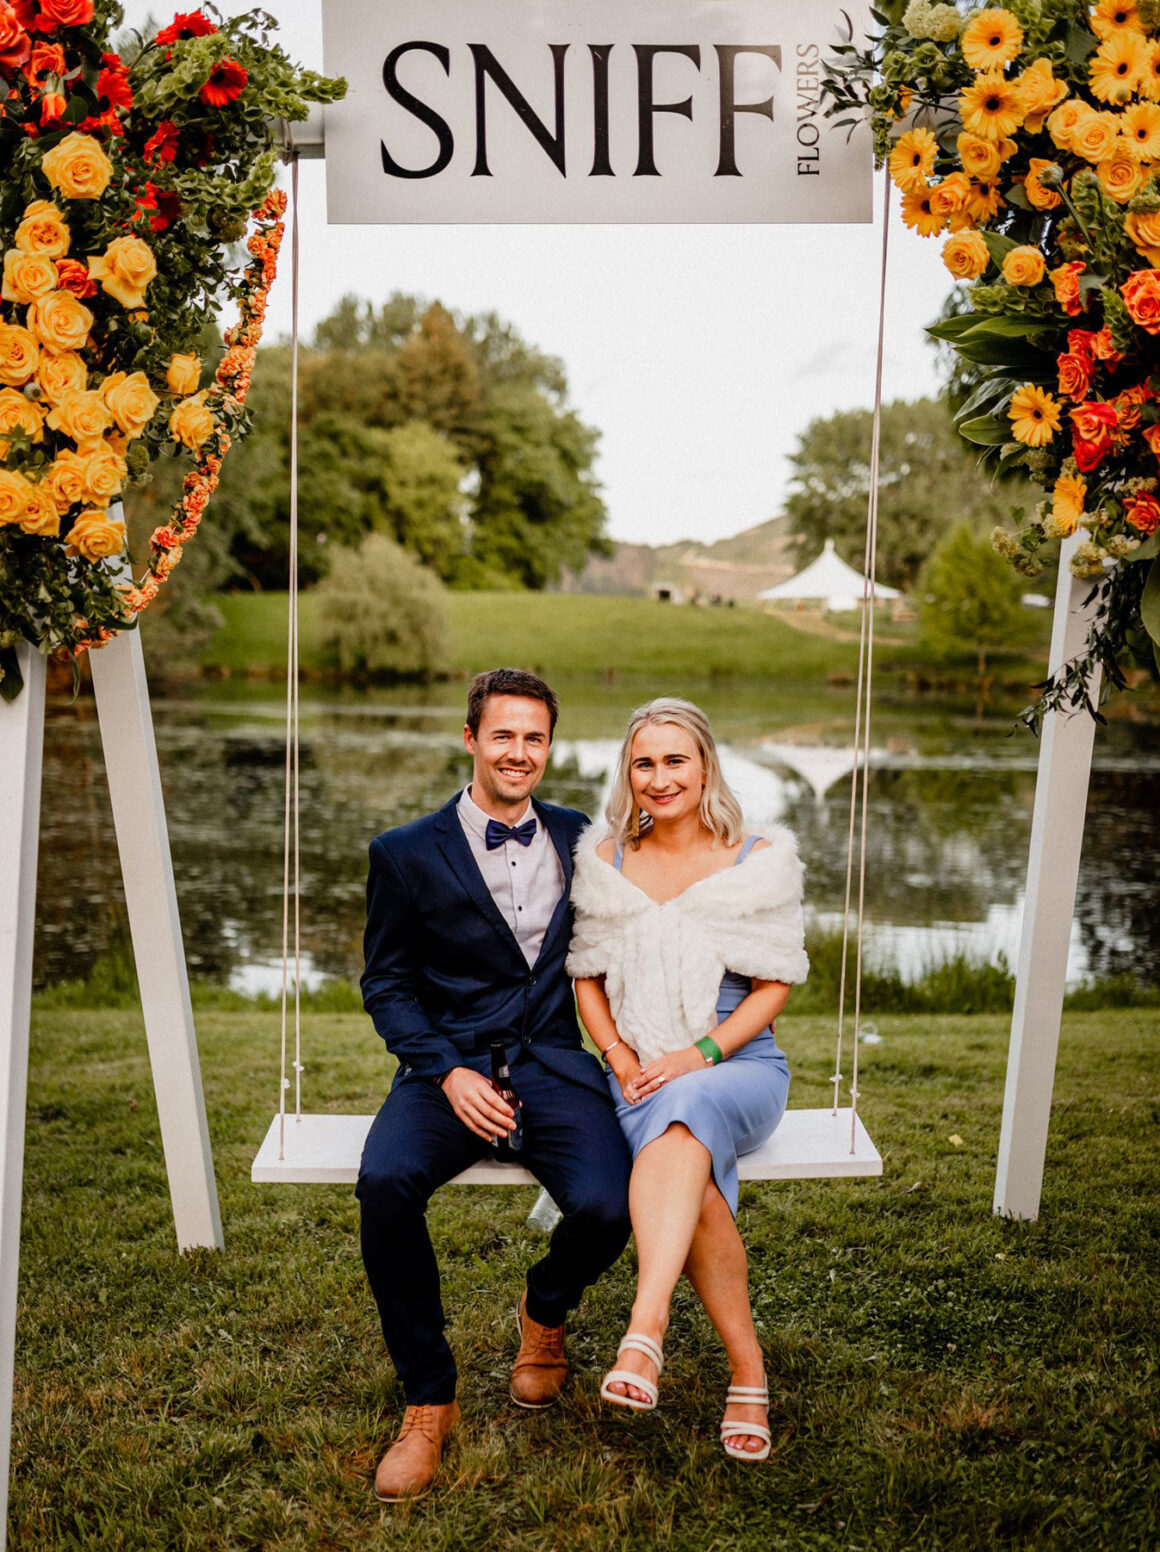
x=497, y=833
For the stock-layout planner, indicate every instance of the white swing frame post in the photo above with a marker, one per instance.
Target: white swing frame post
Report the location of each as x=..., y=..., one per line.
x=1057, y=825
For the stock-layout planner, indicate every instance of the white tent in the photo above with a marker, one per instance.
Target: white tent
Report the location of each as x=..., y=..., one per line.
x=829, y=579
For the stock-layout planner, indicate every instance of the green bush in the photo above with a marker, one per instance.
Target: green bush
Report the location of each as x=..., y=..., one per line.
x=381, y=614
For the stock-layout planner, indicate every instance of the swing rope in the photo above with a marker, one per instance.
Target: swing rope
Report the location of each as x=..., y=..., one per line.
x=861, y=772
x=291, y=850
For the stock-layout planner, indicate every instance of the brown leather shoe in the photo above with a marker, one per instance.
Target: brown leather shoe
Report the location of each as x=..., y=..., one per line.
x=408, y=1468
x=541, y=1368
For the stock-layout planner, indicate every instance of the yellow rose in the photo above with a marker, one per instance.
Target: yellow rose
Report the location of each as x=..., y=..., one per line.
x=1039, y=92
x=1095, y=135
x=965, y=255
x=81, y=415
x=96, y=536
x=60, y=321
x=14, y=490
x=124, y=270
x=18, y=355
x=17, y=411
x=104, y=472
x=40, y=514
x=43, y=230
x=27, y=276
x=1143, y=231
x=60, y=374
x=981, y=158
x=949, y=196
x=1024, y=266
x=1120, y=175
x=65, y=481
x=191, y=422
x=184, y=374
x=1038, y=197
x=78, y=167
x=1063, y=123
x=131, y=400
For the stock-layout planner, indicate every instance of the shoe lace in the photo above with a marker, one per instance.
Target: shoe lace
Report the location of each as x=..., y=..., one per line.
x=420, y=1419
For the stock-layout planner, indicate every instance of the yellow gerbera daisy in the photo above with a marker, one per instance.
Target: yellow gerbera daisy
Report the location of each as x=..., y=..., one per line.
x=991, y=39
x=1034, y=415
x=1114, y=15
x=917, y=214
x=1067, y=502
x=983, y=202
x=991, y=108
x=1150, y=80
x=1118, y=66
x=912, y=160
x=1140, y=128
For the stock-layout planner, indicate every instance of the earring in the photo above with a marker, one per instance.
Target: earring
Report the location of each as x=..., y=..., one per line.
x=634, y=827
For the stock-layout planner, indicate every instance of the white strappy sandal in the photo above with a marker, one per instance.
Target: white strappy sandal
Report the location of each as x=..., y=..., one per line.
x=635, y=1342
x=746, y=1395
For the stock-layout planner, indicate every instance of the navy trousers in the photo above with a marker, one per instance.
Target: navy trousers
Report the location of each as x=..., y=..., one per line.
x=572, y=1144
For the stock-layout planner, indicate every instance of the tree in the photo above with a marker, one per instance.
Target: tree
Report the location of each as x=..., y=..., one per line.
x=971, y=601
x=927, y=481
x=384, y=616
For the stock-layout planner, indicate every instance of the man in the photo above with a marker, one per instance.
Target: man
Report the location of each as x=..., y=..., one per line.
x=468, y=923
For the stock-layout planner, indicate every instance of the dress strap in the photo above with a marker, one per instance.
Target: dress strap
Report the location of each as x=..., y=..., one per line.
x=746, y=847
x=618, y=856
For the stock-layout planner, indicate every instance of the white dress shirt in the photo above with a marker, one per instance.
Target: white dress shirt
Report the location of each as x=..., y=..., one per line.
x=525, y=882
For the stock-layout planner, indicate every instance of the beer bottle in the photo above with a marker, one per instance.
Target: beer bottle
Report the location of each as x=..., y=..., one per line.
x=501, y=1082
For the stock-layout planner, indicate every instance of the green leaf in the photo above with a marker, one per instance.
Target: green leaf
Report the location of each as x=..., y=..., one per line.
x=1004, y=326
x=993, y=389
x=1150, y=603
x=951, y=329
x=1149, y=549
x=985, y=431
x=1080, y=43
x=1017, y=360
x=11, y=679
x=999, y=246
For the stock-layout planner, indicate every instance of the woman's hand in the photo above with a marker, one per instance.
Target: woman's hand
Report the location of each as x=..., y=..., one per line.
x=625, y=1066
x=675, y=1064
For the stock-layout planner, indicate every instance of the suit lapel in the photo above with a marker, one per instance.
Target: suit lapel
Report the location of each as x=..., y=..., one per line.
x=558, y=833
x=457, y=853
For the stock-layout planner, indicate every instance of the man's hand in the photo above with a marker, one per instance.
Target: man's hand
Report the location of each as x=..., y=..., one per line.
x=477, y=1104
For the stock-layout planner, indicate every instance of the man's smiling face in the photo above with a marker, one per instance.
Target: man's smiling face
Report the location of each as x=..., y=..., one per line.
x=509, y=753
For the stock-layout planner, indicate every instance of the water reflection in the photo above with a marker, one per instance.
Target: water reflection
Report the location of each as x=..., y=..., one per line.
x=947, y=841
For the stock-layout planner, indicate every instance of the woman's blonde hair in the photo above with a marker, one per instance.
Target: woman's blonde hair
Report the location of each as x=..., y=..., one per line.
x=720, y=810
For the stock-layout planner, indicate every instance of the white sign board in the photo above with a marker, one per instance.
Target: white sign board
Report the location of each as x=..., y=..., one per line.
x=589, y=111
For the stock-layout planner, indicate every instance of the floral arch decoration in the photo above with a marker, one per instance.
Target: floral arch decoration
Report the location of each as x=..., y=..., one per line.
x=1028, y=137
x=127, y=181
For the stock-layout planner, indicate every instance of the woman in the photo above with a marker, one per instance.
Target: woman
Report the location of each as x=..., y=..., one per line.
x=688, y=933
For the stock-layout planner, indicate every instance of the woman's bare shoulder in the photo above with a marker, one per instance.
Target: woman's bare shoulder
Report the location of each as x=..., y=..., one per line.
x=604, y=849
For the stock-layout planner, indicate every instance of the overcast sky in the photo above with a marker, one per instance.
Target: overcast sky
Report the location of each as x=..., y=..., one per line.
x=700, y=353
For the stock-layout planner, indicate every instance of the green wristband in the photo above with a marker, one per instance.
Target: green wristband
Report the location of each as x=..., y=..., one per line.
x=710, y=1050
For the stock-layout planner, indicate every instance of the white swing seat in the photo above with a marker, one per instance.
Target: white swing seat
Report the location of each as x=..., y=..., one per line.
x=807, y=1145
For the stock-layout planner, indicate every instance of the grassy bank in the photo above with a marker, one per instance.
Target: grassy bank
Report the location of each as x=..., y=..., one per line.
x=941, y=1378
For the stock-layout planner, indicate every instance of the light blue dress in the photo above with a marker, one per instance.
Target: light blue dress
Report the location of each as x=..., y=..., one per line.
x=731, y=1108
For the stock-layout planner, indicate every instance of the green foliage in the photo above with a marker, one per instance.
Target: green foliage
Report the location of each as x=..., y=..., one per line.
x=383, y=614
x=927, y=481
x=451, y=435
x=971, y=599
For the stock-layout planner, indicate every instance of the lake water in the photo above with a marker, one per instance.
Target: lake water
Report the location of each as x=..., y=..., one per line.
x=949, y=825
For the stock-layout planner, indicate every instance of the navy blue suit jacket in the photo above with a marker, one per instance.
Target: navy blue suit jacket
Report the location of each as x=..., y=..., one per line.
x=444, y=971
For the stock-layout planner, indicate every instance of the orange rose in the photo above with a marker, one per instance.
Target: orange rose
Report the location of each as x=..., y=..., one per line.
x=965, y=255
x=1141, y=293
x=14, y=490
x=40, y=514
x=131, y=400
x=1143, y=512
x=43, y=230
x=60, y=322
x=65, y=481
x=1143, y=232
x=18, y=354
x=1037, y=196
x=81, y=415
x=1120, y=174
x=1095, y=135
x=124, y=270
x=1065, y=279
x=184, y=374
x=191, y=422
x=60, y=374
x=104, y=472
x=78, y=167
x=96, y=536
x=1024, y=266
x=1075, y=375
x=27, y=276
x=949, y=196
x=18, y=412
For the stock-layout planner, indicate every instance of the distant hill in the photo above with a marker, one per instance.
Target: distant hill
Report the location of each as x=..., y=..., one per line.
x=738, y=568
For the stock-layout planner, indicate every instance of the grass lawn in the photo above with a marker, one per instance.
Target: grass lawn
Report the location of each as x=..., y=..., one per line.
x=940, y=1378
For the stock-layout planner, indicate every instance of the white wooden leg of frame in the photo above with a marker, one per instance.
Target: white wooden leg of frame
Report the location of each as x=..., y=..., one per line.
x=1061, y=789
x=139, y=816
x=21, y=748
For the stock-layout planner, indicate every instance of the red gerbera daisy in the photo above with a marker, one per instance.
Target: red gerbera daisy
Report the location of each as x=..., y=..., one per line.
x=113, y=83
x=226, y=82
x=189, y=24
x=162, y=144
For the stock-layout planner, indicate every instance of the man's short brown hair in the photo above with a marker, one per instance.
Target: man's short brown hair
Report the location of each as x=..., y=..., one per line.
x=509, y=681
